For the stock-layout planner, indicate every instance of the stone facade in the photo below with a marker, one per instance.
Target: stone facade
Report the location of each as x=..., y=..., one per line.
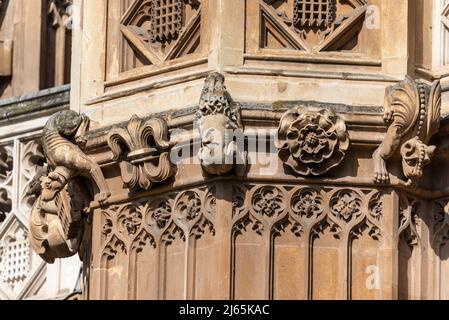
x=249, y=149
x=34, y=68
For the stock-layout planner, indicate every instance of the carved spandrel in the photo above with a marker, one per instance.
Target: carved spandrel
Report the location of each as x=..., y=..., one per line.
x=32, y=162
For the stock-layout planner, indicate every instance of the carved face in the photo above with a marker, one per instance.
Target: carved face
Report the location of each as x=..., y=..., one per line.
x=51, y=185
x=415, y=156
x=312, y=142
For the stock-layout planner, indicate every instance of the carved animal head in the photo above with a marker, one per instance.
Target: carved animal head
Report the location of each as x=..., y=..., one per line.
x=35, y=186
x=415, y=156
x=68, y=122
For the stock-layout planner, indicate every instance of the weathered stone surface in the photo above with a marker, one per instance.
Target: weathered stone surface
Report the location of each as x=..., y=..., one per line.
x=300, y=217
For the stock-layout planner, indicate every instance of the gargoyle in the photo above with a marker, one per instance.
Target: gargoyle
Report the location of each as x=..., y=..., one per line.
x=62, y=196
x=57, y=225
x=217, y=119
x=63, y=135
x=412, y=109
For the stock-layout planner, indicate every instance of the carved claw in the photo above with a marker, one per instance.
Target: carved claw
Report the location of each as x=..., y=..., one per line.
x=381, y=174
x=103, y=196
x=81, y=141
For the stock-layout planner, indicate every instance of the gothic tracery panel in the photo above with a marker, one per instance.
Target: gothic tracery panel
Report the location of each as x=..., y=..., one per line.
x=166, y=231
x=312, y=25
x=313, y=227
x=155, y=31
x=6, y=166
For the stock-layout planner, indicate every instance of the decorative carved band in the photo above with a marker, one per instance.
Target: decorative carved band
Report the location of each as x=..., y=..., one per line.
x=159, y=220
x=308, y=210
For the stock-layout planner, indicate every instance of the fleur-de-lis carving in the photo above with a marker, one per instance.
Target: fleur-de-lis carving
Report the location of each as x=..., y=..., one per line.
x=144, y=150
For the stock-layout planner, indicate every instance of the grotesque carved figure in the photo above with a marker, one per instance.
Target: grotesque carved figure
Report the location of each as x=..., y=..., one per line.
x=312, y=143
x=57, y=224
x=217, y=120
x=63, y=136
x=58, y=214
x=412, y=110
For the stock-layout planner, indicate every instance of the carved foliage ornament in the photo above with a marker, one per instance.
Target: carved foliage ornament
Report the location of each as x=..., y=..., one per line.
x=412, y=111
x=217, y=121
x=144, y=150
x=57, y=216
x=312, y=143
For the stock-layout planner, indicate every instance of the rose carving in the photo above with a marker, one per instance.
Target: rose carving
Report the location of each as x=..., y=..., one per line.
x=312, y=143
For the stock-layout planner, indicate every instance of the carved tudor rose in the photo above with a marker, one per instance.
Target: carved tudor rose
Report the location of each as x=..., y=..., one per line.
x=412, y=110
x=312, y=143
x=58, y=214
x=144, y=150
x=217, y=120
